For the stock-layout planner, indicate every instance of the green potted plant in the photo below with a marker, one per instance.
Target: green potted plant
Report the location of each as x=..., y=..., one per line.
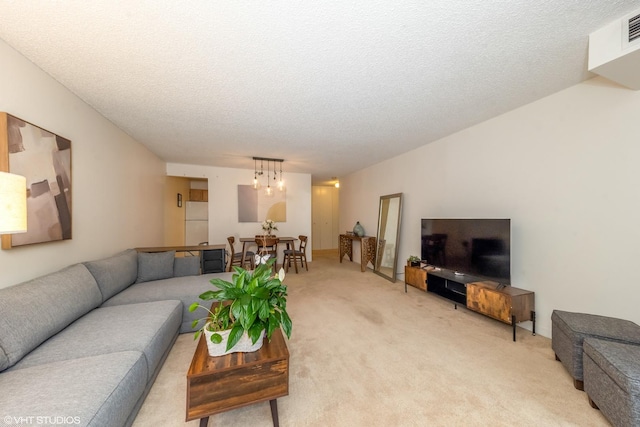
x=252, y=305
x=413, y=261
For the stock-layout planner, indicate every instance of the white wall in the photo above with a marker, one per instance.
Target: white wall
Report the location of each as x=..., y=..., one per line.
x=223, y=202
x=565, y=169
x=117, y=183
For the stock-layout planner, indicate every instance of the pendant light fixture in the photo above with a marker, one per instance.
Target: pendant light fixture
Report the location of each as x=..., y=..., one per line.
x=269, y=189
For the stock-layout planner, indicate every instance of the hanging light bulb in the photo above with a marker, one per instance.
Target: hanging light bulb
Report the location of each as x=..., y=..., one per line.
x=275, y=182
x=269, y=191
x=281, y=182
x=256, y=183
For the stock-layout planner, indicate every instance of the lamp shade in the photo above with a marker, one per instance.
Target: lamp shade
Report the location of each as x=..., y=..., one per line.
x=13, y=203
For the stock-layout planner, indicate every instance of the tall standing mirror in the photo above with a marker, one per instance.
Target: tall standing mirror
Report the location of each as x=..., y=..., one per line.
x=388, y=236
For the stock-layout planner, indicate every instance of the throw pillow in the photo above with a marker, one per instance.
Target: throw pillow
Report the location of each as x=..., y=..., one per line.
x=116, y=273
x=186, y=266
x=155, y=266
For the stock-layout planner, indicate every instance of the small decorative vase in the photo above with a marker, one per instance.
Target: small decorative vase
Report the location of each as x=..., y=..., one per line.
x=358, y=229
x=244, y=345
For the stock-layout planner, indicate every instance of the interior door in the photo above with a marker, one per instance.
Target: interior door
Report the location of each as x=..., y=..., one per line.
x=324, y=218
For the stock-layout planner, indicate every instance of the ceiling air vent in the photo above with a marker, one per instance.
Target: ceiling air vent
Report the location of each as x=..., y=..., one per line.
x=631, y=30
x=614, y=51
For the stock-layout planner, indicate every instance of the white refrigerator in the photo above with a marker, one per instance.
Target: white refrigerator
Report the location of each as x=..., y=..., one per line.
x=196, y=223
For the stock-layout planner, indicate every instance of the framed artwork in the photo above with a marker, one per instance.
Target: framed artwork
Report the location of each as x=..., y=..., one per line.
x=255, y=206
x=44, y=158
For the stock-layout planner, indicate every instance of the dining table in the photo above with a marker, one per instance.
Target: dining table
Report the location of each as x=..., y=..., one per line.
x=247, y=242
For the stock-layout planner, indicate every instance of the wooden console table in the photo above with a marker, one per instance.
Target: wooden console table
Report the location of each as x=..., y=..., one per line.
x=194, y=248
x=212, y=257
x=367, y=249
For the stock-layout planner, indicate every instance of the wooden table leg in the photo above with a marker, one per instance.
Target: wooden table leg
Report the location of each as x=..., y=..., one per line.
x=346, y=247
x=204, y=421
x=295, y=258
x=244, y=254
x=274, y=413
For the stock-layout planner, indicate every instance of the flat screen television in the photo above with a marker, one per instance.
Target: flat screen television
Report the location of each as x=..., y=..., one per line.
x=477, y=247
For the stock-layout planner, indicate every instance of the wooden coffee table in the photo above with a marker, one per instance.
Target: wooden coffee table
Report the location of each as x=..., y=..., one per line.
x=218, y=384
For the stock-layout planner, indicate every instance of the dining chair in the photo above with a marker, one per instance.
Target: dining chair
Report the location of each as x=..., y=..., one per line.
x=268, y=246
x=235, y=258
x=297, y=254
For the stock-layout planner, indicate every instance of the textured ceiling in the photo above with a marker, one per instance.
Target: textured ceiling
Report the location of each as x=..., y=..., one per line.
x=329, y=86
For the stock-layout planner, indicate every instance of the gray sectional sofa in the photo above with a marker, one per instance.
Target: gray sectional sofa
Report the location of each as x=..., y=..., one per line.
x=82, y=346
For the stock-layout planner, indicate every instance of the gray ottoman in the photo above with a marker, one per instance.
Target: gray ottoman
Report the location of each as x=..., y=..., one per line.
x=568, y=330
x=612, y=380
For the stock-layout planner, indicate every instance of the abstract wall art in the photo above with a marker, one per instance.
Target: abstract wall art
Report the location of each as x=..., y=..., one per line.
x=255, y=206
x=44, y=158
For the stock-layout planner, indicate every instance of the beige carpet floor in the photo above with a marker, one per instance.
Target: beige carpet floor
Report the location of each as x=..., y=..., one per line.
x=365, y=353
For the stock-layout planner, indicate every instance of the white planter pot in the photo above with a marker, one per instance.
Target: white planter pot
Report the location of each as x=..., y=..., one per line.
x=244, y=345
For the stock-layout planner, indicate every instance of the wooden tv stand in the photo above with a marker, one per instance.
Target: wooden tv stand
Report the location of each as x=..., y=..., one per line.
x=505, y=303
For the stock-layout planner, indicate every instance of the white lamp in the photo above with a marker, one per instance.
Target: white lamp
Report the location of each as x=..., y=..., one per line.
x=13, y=203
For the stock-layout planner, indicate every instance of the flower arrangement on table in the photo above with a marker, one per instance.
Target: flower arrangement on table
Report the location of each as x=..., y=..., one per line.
x=268, y=226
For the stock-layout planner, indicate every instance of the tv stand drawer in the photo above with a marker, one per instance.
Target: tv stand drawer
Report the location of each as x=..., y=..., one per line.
x=416, y=277
x=500, y=302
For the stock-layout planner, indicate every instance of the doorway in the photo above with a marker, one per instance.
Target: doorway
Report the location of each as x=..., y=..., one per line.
x=185, y=211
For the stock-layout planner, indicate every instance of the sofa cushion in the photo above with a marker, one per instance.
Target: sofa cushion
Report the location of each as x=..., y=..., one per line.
x=186, y=266
x=115, y=273
x=147, y=327
x=94, y=391
x=186, y=289
x=35, y=310
x=155, y=266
